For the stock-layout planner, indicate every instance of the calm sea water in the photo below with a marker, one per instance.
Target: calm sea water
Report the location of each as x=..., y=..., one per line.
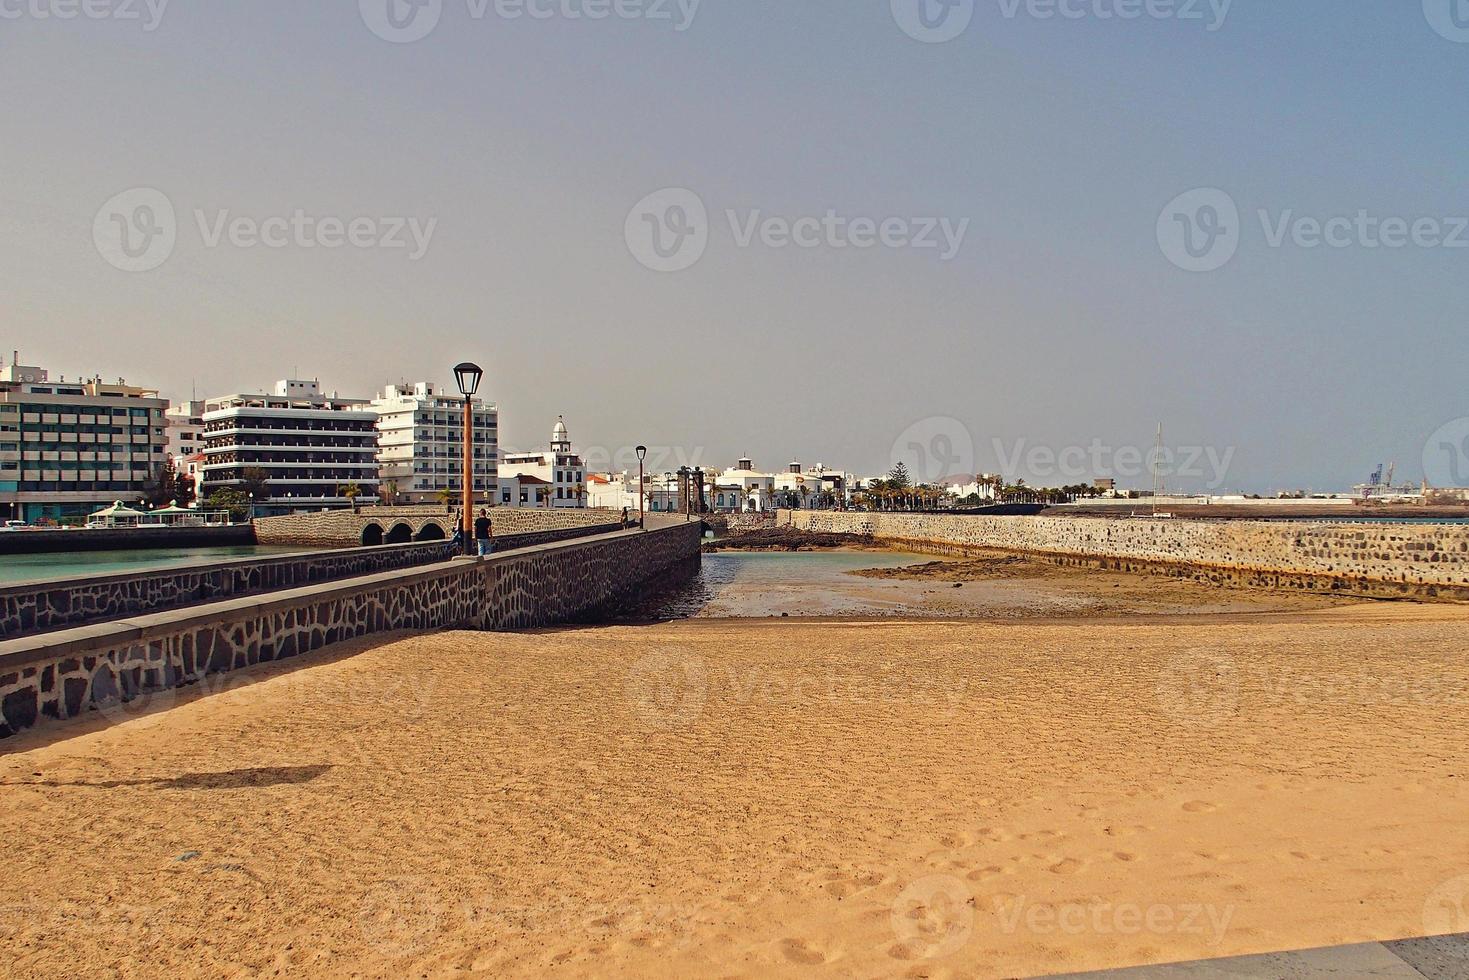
x=770, y=568
x=30, y=568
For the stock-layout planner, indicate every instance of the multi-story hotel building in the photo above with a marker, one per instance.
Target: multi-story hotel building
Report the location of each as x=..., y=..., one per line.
x=421, y=444
x=70, y=448
x=555, y=479
x=308, y=448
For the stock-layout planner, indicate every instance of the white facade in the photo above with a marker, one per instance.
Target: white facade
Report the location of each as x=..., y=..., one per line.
x=561, y=471
x=68, y=448
x=185, y=434
x=309, y=447
x=743, y=488
x=421, y=444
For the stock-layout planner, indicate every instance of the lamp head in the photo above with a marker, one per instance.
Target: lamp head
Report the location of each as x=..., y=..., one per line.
x=467, y=376
x=642, y=453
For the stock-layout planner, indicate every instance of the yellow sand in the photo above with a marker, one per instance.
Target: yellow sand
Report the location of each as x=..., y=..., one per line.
x=750, y=799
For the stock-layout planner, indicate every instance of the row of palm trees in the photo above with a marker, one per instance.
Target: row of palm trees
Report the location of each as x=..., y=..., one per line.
x=895, y=492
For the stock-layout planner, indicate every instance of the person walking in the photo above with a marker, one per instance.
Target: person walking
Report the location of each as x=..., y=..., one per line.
x=624, y=518
x=483, y=528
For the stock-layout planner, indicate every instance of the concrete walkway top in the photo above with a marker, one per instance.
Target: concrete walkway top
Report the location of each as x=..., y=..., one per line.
x=1430, y=958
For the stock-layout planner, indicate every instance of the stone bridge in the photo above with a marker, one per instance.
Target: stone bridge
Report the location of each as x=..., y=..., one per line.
x=373, y=526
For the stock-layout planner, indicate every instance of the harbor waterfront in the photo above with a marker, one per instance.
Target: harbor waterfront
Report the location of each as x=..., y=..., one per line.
x=48, y=566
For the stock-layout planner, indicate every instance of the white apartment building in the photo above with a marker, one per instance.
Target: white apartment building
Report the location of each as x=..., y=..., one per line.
x=184, y=438
x=421, y=444
x=302, y=448
x=554, y=480
x=70, y=448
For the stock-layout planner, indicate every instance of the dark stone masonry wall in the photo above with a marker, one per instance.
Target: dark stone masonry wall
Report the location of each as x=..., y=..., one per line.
x=123, y=667
x=1424, y=561
x=26, y=610
x=30, y=609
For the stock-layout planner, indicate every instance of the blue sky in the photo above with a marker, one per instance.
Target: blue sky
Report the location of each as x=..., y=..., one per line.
x=1060, y=322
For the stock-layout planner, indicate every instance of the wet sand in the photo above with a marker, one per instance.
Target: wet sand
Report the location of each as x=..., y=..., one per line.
x=735, y=798
x=888, y=584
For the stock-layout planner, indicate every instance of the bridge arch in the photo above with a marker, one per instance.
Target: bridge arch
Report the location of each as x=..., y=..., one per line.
x=431, y=531
x=400, y=534
x=372, y=535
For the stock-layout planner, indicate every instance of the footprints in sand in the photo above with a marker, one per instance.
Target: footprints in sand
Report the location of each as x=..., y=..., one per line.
x=804, y=952
x=1199, y=806
x=1066, y=866
x=843, y=884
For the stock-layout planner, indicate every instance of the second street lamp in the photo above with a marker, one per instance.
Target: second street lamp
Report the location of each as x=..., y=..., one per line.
x=467, y=376
x=642, y=491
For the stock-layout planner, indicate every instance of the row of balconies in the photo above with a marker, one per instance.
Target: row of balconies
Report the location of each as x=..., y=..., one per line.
x=90, y=439
x=72, y=476
x=59, y=418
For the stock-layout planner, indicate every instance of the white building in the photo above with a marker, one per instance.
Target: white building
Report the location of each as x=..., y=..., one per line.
x=69, y=448
x=742, y=488
x=556, y=479
x=184, y=438
x=296, y=449
x=421, y=444
x=985, y=486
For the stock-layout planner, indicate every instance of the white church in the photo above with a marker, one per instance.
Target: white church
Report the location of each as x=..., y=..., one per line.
x=551, y=479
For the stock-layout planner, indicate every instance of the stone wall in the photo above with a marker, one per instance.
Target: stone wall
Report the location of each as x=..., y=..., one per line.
x=29, y=609
x=396, y=525
x=1411, y=560
x=125, y=667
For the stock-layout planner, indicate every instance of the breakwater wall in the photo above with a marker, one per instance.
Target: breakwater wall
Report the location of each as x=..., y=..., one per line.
x=125, y=667
x=36, y=542
x=1425, y=561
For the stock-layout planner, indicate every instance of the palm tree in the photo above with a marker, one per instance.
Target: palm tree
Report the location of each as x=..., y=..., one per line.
x=447, y=496
x=351, y=491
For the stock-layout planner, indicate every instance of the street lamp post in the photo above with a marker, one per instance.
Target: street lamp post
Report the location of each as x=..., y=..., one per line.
x=642, y=518
x=468, y=376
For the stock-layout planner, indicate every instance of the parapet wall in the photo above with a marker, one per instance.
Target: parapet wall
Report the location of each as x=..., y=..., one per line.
x=122, y=668
x=1399, y=560
x=27, y=609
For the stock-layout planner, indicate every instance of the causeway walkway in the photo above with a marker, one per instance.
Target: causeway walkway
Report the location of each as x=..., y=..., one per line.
x=1430, y=958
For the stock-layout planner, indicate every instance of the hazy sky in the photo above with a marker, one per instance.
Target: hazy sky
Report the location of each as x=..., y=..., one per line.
x=520, y=148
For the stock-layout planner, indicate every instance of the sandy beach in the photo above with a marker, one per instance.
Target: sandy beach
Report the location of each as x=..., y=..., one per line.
x=737, y=798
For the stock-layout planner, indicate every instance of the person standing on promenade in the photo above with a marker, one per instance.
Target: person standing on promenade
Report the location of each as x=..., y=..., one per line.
x=624, y=518
x=482, y=530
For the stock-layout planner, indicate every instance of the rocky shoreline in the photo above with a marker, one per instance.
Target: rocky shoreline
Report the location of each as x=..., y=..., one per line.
x=790, y=539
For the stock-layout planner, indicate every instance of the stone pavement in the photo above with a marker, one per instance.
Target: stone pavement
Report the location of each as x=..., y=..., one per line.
x=1433, y=958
